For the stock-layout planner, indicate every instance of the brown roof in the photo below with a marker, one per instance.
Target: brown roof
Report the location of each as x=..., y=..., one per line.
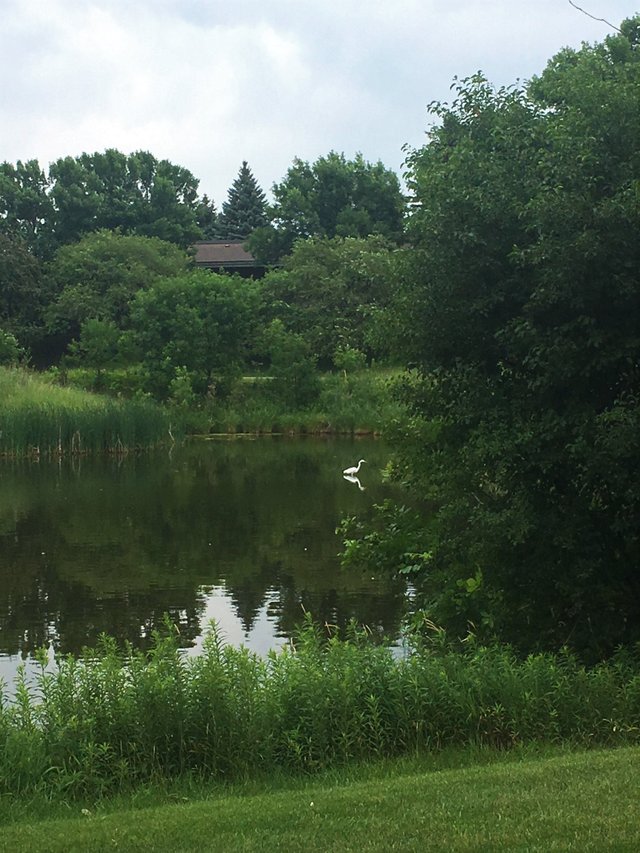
x=223, y=254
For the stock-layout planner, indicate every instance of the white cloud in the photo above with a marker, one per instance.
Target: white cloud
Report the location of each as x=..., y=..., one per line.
x=208, y=84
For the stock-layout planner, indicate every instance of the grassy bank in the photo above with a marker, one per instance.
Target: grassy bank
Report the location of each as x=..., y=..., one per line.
x=582, y=801
x=113, y=722
x=357, y=402
x=38, y=417
x=346, y=404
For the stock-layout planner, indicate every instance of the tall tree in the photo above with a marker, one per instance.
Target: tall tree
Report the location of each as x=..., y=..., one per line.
x=333, y=197
x=26, y=210
x=135, y=193
x=519, y=307
x=22, y=297
x=75, y=192
x=172, y=206
x=207, y=218
x=245, y=207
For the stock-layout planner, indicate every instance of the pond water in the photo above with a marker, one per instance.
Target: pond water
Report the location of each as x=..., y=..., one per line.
x=241, y=531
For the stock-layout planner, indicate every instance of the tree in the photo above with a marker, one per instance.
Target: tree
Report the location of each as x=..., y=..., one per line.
x=26, y=210
x=207, y=218
x=197, y=322
x=245, y=207
x=295, y=378
x=97, y=345
x=170, y=213
x=519, y=308
x=75, y=196
x=333, y=197
x=97, y=278
x=11, y=353
x=134, y=193
x=22, y=293
x=331, y=291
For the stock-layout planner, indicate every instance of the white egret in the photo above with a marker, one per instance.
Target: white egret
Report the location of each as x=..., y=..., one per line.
x=351, y=472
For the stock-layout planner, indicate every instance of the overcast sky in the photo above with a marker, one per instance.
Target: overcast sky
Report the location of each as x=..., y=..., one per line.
x=207, y=84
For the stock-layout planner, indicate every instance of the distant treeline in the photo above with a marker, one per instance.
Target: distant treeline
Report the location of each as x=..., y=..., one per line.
x=84, y=247
x=138, y=194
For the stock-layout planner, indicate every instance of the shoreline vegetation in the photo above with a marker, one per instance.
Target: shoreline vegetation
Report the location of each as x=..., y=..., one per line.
x=118, y=719
x=41, y=417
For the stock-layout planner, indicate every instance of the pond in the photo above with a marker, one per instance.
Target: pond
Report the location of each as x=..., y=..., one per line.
x=241, y=531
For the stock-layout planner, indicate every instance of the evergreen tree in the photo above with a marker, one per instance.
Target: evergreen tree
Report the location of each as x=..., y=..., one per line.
x=245, y=207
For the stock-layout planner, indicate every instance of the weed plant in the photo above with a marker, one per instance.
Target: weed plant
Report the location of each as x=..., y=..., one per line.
x=40, y=418
x=113, y=720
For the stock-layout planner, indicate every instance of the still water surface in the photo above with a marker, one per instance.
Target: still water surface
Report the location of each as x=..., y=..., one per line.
x=241, y=531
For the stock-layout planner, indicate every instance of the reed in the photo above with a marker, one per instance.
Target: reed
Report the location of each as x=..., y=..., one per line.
x=37, y=417
x=116, y=719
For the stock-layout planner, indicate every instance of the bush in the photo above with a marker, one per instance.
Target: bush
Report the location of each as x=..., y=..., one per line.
x=11, y=353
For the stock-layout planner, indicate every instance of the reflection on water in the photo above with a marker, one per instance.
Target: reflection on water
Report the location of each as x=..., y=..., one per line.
x=238, y=531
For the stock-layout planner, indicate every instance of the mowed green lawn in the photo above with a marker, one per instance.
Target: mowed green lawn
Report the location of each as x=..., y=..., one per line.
x=581, y=801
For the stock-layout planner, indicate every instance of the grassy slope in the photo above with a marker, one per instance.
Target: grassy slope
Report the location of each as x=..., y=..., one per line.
x=581, y=801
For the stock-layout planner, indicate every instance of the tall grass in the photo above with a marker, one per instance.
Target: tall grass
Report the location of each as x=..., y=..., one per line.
x=40, y=418
x=115, y=719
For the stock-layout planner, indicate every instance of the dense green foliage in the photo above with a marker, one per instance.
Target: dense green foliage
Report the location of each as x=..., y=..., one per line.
x=519, y=308
x=207, y=217
x=135, y=193
x=333, y=292
x=98, y=277
x=26, y=208
x=199, y=322
x=11, y=353
x=22, y=293
x=333, y=197
x=294, y=398
x=104, y=722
